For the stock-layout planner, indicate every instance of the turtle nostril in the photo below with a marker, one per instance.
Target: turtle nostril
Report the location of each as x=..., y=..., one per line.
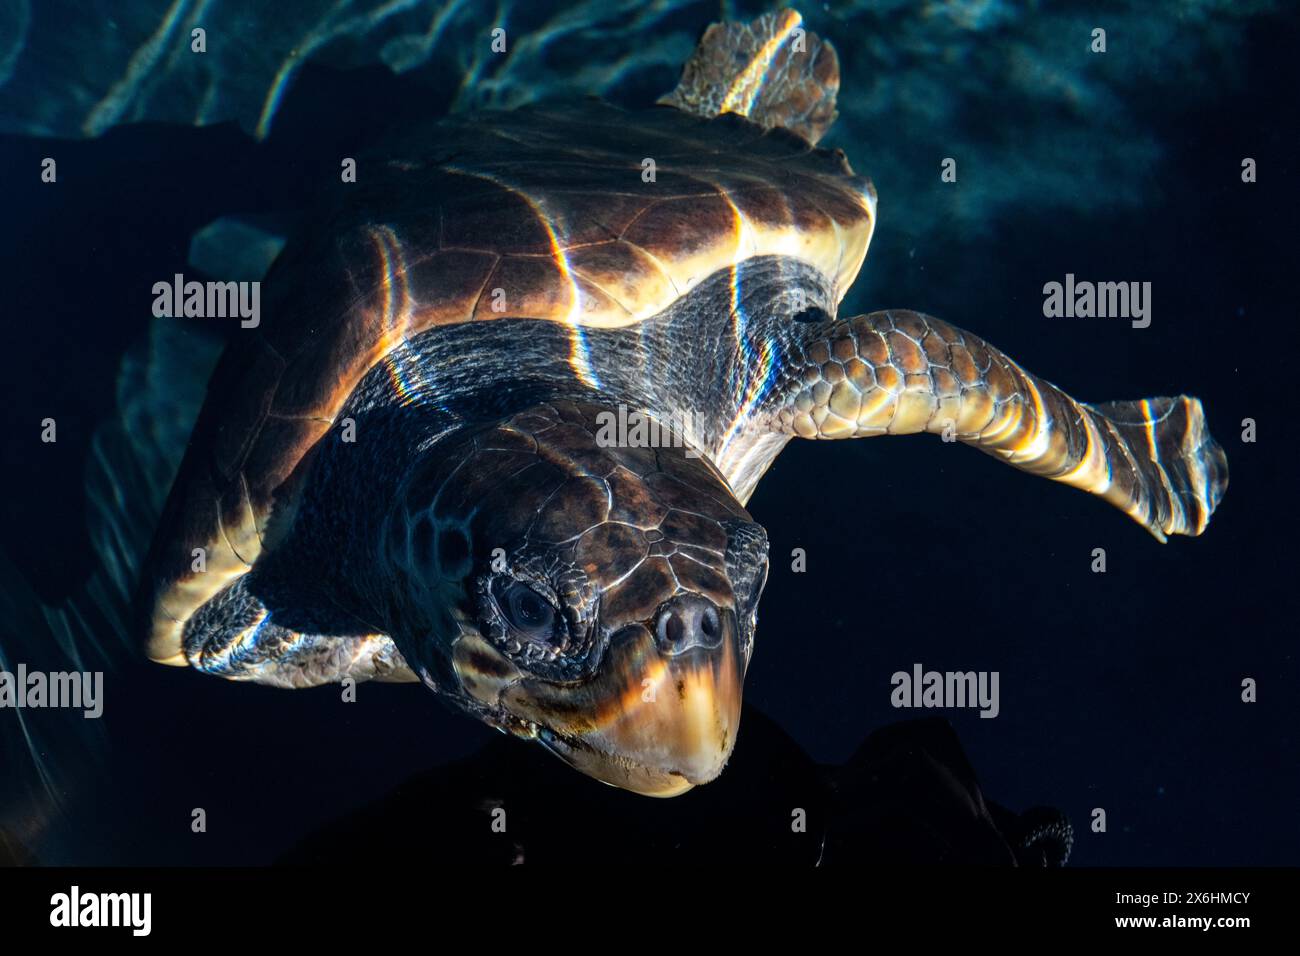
x=688, y=621
x=674, y=630
x=709, y=625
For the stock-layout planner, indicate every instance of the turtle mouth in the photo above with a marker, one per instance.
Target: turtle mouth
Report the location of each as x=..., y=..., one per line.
x=616, y=770
x=654, y=722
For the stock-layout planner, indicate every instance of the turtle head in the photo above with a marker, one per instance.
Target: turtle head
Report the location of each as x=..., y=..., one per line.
x=596, y=597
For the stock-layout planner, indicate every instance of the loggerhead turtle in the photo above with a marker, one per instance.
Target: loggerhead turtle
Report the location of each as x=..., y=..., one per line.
x=419, y=466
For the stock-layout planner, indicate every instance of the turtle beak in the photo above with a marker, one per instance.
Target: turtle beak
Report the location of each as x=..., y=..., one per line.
x=662, y=713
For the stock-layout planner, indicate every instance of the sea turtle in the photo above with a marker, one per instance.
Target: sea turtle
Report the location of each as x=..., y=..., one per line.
x=497, y=428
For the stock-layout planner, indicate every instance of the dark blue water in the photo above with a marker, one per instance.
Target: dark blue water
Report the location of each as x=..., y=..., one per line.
x=1119, y=691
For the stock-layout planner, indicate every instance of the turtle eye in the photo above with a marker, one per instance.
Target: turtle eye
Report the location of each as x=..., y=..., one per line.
x=525, y=610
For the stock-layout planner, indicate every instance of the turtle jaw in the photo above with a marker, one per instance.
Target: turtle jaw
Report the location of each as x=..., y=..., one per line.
x=654, y=722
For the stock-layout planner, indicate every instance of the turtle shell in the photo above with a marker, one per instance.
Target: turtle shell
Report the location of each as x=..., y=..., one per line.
x=589, y=215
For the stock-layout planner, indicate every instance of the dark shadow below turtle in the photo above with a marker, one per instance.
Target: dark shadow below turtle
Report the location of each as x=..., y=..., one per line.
x=908, y=795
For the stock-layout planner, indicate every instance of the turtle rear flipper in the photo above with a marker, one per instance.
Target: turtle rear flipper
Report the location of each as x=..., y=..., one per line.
x=235, y=636
x=899, y=373
x=772, y=71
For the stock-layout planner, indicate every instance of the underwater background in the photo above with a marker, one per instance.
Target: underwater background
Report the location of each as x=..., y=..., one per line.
x=1120, y=691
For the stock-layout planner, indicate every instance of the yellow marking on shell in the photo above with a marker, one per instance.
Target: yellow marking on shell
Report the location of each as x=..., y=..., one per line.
x=749, y=82
x=177, y=605
x=837, y=252
x=242, y=535
x=852, y=244
x=839, y=261
x=164, y=645
x=579, y=359
x=666, y=272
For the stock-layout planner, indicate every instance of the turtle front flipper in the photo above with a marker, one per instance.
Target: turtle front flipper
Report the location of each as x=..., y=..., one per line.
x=772, y=71
x=234, y=635
x=898, y=373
